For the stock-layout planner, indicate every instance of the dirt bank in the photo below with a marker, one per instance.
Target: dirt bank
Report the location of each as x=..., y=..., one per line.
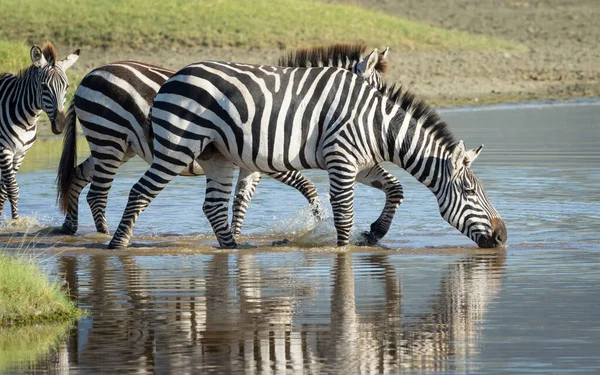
x=561, y=58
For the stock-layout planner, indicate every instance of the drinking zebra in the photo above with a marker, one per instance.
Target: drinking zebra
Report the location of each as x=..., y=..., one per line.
x=272, y=119
x=113, y=102
x=40, y=87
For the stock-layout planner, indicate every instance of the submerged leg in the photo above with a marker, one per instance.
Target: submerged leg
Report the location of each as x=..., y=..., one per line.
x=219, y=183
x=381, y=179
x=244, y=190
x=82, y=177
x=305, y=186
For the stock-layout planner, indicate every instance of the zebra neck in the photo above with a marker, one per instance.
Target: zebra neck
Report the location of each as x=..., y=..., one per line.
x=416, y=149
x=24, y=95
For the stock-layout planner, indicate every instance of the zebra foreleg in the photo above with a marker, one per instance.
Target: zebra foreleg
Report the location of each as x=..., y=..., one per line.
x=3, y=195
x=82, y=177
x=149, y=186
x=219, y=183
x=10, y=182
x=341, y=196
x=381, y=179
x=305, y=186
x=244, y=190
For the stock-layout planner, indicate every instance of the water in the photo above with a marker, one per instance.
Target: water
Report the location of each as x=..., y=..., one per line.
x=426, y=300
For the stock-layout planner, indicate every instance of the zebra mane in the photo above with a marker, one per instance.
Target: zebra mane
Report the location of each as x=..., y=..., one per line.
x=420, y=110
x=49, y=52
x=338, y=54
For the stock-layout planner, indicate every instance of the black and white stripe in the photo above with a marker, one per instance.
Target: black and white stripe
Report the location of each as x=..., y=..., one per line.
x=112, y=104
x=272, y=119
x=23, y=97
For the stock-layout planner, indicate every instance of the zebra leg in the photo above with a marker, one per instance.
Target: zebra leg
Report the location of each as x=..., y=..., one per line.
x=244, y=190
x=82, y=177
x=10, y=181
x=305, y=186
x=3, y=195
x=102, y=180
x=219, y=182
x=341, y=196
x=381, y=179
x=149, y=186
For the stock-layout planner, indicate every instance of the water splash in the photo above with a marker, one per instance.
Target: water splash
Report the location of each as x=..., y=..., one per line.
x=25, y=223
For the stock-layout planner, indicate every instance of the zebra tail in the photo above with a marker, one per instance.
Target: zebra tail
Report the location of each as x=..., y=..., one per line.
x=68, y=160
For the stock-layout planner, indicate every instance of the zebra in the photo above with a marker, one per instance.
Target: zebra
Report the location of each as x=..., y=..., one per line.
x=273, y=119
x=112, y=103
x=40, y=87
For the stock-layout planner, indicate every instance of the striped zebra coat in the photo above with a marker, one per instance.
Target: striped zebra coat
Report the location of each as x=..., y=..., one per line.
x=273, y=119
x=23, y=97
x=113, y=102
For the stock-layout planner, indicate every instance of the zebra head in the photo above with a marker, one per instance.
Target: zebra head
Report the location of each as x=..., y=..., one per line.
x=53, y=82
x=373, y=67
x=464, y=202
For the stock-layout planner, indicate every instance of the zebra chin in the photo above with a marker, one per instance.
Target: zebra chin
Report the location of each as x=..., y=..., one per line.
x=497, y=238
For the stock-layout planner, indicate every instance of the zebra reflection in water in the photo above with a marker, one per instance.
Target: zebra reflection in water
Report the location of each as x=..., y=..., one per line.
x=229, y=311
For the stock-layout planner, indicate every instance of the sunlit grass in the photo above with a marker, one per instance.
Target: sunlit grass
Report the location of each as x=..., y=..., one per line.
x=28, y=294
x=195, y=23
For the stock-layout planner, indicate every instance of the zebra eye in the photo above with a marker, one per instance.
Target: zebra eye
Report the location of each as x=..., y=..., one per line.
x=470, y=192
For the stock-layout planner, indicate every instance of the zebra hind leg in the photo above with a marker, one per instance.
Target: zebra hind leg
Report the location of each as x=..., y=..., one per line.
x=219, y=183
x=244, y=190
x=97, y=197
x=381, y=179
x=82, y=177
x=305, y=186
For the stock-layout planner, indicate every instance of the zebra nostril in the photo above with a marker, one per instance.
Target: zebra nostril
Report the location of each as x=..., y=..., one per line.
x=499, y=238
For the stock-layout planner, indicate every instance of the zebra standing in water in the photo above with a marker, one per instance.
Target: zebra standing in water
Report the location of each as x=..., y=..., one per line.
x=273, y=119
x=113, y=102
x=23, y=97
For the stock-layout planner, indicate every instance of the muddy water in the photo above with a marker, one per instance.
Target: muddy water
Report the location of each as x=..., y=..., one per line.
x=425, y=300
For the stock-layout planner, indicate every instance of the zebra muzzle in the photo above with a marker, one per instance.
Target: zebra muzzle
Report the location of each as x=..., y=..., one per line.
x=58, y=122
x=498, y=236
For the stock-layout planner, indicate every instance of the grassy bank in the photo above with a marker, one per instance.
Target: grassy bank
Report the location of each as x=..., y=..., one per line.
x=181, y=24
x=27, y=295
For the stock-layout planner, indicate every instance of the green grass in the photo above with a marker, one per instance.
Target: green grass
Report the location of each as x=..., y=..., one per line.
x=28, y=295
x=159, y=24
x=24, y=345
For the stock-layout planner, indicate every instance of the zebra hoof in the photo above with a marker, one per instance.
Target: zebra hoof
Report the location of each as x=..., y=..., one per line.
x=367, y=239
x=67, y=229
x=112, y=245
x=285, y=241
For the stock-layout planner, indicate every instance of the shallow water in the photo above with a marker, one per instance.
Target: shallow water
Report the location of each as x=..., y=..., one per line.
x=425, y=300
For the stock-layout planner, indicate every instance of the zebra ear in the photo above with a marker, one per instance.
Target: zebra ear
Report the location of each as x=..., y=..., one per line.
x=385, y=52
x=37, y=57
x=457, y=158
x=367, y=65
x=69, y=60
x=471, y=155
